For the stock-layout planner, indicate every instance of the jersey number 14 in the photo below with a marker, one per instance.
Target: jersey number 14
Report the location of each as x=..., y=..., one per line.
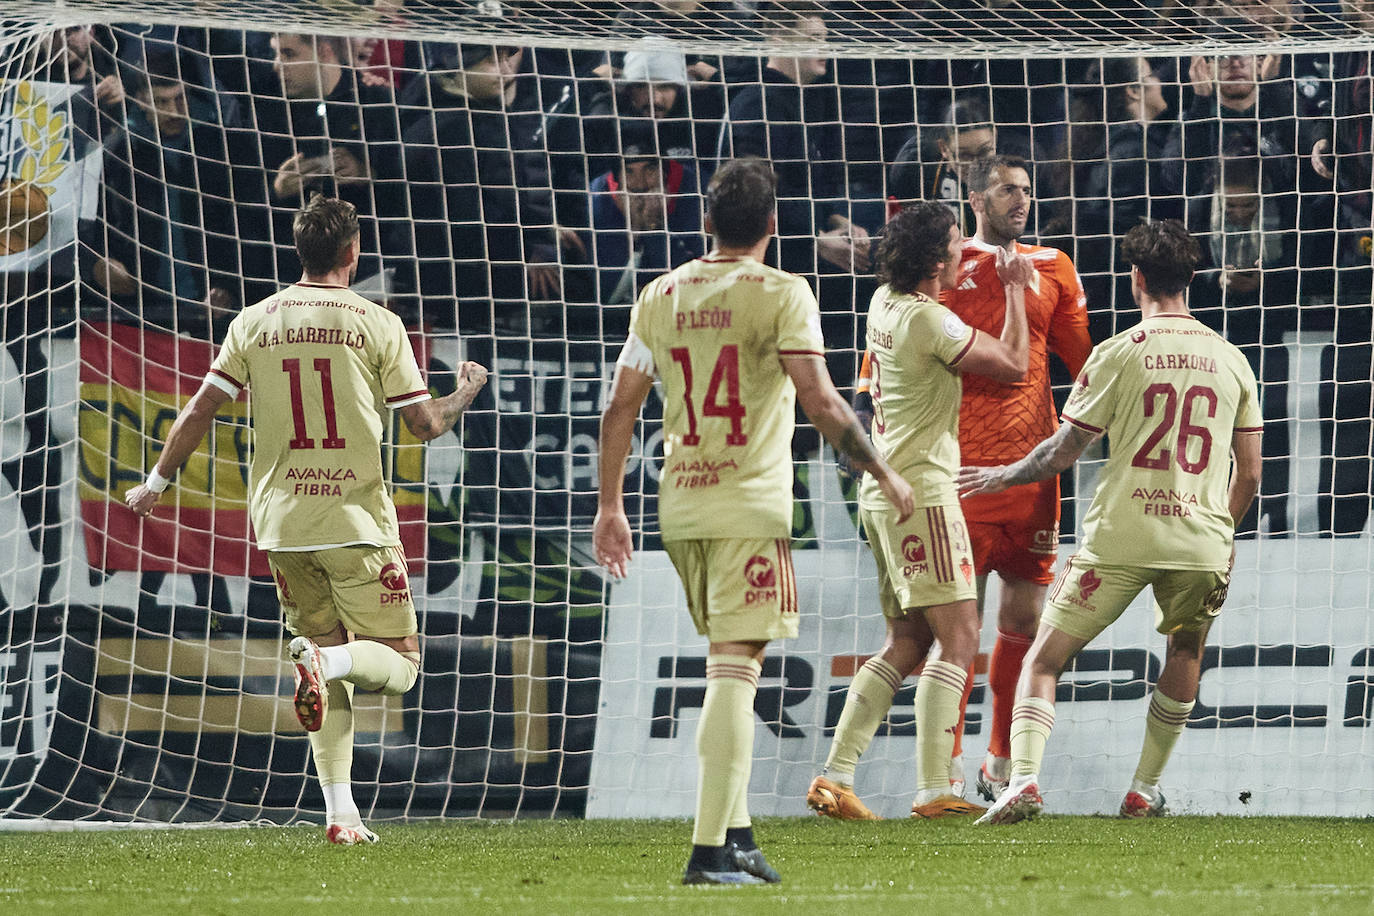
x=725, y=373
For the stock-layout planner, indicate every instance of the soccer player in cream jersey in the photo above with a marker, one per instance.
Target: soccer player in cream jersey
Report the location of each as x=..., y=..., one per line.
x=1175, y=398
x=1014, y=534
x=736, y=344
x=925, y=564
x=323, y=366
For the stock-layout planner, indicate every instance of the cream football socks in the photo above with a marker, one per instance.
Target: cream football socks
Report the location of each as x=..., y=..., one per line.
x=1032, y=720
x=371, y=665
x=725, y=747
x=1164, y=723
x=938, y=692
x=865, y=705
x=332, y=749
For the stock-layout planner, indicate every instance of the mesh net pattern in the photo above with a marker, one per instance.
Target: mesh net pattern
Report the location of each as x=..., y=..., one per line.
x=516, y=186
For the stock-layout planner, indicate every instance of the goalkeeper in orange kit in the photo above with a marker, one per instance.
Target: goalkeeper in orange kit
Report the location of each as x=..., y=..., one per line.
x=1015, y=533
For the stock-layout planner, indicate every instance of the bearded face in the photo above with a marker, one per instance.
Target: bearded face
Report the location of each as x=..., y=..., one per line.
x=644, y=205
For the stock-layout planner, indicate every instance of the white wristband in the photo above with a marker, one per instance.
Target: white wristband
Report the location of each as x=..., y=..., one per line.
x=156, y=482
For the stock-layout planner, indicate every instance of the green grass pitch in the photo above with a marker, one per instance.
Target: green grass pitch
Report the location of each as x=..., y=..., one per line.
x=1084, y=866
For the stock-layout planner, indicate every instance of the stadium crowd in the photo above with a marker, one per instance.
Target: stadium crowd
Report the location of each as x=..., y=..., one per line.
x=531, y=192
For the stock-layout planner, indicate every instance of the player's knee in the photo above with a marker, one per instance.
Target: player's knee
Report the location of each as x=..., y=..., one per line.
x=404, y=676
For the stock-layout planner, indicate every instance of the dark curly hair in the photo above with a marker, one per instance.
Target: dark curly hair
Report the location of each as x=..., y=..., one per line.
x=1166, y=254
x=739, y=200
x=914, y=244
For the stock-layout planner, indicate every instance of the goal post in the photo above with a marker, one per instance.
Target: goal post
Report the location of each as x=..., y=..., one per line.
x=520, y=169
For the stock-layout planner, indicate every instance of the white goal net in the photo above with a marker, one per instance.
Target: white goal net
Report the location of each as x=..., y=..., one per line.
x=521, y=168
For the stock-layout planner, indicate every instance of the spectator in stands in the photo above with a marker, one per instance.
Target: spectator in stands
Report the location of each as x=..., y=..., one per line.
x=776, y=120
x=480, y=239
x=390, y=62
x=73, y=55
x=1339, y=144
x=792, y=122
x=1273, y=18
x=1119, y=184
x=1227, y=112
x=1246, y=288
x=653, y=90
x=965, y=134
x=168, y=256
x=1023, y=97
x=1127, y=184
x=644, y=219
x=1339, y=152
x=332, y=135
x=1249, y=243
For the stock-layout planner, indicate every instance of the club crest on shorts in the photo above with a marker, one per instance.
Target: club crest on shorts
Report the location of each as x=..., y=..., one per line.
x=759, y=572
x=1088, y=583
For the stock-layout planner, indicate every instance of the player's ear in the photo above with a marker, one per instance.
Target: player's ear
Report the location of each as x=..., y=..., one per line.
x=772, y=224
x=349, y=257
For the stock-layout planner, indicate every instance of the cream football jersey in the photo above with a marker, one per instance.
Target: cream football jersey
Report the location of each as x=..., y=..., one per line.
x=322, y=364
x=715, y=330
x=1169, y=393
x=916, y=346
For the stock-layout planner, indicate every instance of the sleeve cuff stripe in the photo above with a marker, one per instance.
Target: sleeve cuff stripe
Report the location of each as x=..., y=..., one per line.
x=1081, y=425
x=222, y=382
x=968, y=346
x=800, y=353
x=1249, y=429
x=227, y=377
x=409, y=397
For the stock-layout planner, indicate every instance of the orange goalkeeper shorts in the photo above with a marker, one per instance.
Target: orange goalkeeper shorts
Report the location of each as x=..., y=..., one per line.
x=1016, y=532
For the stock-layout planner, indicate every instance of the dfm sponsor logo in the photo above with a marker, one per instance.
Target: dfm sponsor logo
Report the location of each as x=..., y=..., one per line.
x=914, y=552
x=762, y=577
x=788, y=683
x=393, y=579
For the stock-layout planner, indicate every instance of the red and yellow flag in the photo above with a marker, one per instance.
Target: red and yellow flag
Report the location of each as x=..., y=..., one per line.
x=134, y=382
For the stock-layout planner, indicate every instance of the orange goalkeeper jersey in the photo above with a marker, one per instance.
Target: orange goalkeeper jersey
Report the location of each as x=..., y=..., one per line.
x=998, y=422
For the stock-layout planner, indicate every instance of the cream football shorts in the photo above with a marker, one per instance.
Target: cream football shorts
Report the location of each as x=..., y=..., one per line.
x=361, y=586
x=738, y=589
x=1089, y=597
x=924, y=561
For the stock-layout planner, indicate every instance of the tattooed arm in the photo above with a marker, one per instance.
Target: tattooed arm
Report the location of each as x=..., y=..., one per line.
x=1047, y=459
x=835, y=420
